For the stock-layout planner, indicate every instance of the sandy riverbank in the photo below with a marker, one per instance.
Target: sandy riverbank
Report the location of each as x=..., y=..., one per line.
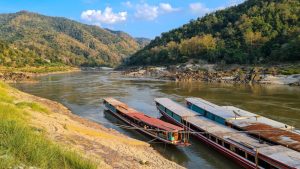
x=109, y=148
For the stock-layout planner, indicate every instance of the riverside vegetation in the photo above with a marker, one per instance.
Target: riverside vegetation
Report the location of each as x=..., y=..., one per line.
x=22, y=145
x=254, y=32
x=32, y=39
x=39, y=133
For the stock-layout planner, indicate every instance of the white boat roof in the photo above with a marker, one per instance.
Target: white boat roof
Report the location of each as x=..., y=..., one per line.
x=175, y=107
x=212, y=108
x=253, y=119
x=235, y=115
x=282, y=154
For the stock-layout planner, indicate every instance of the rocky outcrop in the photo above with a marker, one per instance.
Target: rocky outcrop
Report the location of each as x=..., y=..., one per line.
x=237, y=75
x=15, y=77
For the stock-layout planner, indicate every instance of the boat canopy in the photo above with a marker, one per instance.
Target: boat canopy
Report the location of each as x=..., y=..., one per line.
x=279, y=153
x=175, y=107
x=274, y=131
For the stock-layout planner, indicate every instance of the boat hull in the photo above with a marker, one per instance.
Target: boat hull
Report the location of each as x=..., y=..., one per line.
x=242, y=162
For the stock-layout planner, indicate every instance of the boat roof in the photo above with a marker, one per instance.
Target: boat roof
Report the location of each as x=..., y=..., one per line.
x=216, y=110
x=253, y=118
x=175, y=107
x=275, y=131
x=235, y=115
x=277, y=152
x=281, y=154
x=226, y=133
x=122, y=107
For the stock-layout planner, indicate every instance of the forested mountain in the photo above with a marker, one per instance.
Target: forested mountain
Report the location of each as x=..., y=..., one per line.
x=32, y=39
x=256, y=31
x=143, y=41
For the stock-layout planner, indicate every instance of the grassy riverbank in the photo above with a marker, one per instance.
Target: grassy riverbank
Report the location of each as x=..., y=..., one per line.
x=28, y=74
x=36, y=132
x=39, y=70
x=24, y=145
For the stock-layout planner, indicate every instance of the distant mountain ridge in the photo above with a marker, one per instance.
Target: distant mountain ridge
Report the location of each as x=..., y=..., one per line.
x=140, y=40
x=256, y=31
x=42, y=40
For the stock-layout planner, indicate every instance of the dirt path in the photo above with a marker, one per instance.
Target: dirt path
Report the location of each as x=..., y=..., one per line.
x=108, y=147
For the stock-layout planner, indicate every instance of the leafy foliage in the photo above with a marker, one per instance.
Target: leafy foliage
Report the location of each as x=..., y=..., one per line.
x=256, y=31
x=33, y=39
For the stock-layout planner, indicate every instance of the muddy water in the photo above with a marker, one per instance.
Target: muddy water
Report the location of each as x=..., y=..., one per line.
x=82, y=93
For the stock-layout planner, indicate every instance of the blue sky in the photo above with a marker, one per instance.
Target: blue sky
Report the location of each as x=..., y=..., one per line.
x=139, y=18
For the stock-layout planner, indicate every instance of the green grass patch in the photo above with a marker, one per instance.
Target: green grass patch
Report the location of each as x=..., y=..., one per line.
x=40, y=69
x=22, y=145
x=33, y=106
x=290, y=70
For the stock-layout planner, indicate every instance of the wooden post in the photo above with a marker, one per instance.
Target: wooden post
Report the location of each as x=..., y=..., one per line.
x=256, y=158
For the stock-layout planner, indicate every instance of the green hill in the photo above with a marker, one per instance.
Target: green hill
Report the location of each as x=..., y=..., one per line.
x=256, y=31
x=34, y=39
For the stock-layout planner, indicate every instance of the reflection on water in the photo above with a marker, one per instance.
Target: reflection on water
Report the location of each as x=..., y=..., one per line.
x=82, y=93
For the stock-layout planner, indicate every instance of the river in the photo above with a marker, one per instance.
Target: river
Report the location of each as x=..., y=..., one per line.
x=82, y=93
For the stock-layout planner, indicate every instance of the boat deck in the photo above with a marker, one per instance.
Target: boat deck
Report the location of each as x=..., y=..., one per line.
x=271, y=130
x=242, y=140
x=282, y=154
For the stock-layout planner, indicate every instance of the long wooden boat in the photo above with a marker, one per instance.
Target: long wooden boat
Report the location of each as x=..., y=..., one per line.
x=156, y=128
x=261, y=127
x=245, y=150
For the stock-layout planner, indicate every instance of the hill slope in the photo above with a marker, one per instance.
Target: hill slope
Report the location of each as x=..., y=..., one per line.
x=256, y=31
x=44, y=39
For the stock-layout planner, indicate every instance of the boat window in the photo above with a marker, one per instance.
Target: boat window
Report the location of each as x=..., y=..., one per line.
x=176, y=117
x=251, y=158
x=191, y=126
x=232, y=148
x=213, y=117
x=273, y=167
x=226, y=145
x=263, y=164
x=220, y=142
x=169, y=112
x=213, y=138
x=205, y=113
x=240, y=152
x=175, y=135
x=162, y=108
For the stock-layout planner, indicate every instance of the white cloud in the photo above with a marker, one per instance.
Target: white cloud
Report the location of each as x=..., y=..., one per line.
x=165, y=7
x=199, y=8
x=151, y=12
x=107, y=16
x=146, y=11
x=127, y=4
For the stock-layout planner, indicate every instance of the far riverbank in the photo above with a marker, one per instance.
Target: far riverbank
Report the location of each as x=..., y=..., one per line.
x=29, y=74
x=236, y=74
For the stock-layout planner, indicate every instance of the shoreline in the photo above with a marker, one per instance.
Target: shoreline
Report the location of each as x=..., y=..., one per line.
x=236, y=75
x=108, y=147
x=11, y=76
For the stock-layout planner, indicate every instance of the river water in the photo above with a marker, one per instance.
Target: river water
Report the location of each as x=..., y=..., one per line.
x=82, y=93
